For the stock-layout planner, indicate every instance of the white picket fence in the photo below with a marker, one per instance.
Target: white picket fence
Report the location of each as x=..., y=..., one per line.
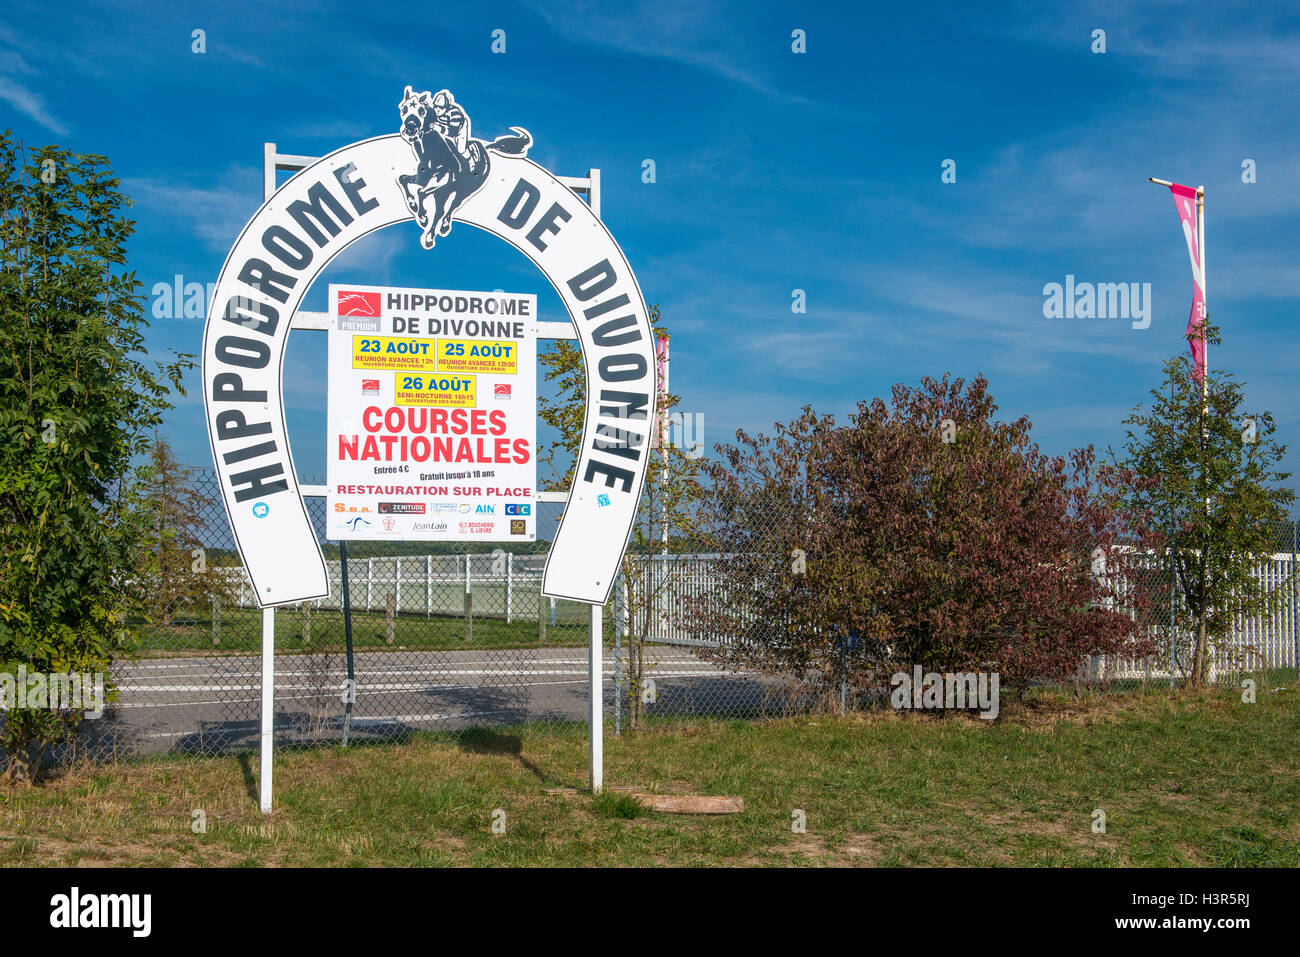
x=508, y=586
x=1266, y=640
x=677, y=584
x=503, y=585
x=1258, y=641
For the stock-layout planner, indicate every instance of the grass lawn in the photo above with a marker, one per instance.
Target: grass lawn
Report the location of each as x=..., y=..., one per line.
x=1194, y=779
x=241, y=633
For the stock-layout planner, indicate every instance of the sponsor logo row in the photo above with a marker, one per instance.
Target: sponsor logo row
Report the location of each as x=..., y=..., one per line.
x=463, y=508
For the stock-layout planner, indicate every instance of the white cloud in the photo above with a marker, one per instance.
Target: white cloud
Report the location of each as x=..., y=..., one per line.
x=373, y=257
x=695, y=34
x=215, y=214
x=31, y=105
x=339, y=130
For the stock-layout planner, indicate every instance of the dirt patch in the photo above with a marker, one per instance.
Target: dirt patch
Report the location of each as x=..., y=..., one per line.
x=804, y=845
x=51, y=850
x=861, y=850
x=854, y=850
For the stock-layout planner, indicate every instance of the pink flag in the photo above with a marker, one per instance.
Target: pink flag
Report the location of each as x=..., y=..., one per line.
x=1185, y=200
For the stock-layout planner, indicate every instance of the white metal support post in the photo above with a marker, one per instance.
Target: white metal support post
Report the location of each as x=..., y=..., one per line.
x=595, y=621
x=595, y=672
x=268, y=708
x=596, y=658
x=1212, y=651
x=267, y=742
x=273, y=161
x=1205, y=362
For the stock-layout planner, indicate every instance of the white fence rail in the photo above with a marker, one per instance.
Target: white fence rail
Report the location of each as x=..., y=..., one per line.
x=1263, y=640
x=508, y=586
x=504, y=585
x=1267, y=640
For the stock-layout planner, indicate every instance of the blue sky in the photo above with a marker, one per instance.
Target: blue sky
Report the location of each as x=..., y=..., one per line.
x=775, y=171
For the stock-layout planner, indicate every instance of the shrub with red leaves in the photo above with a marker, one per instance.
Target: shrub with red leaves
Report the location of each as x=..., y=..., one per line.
x=923, y=532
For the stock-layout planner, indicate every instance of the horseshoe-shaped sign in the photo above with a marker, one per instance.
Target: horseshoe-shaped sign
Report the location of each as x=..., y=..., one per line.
x=435, y=172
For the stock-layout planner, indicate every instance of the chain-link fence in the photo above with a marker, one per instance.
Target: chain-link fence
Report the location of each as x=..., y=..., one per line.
x=685, y=584
x=445, y=637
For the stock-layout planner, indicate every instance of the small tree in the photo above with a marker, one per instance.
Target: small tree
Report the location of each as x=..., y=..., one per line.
x=76, y=405
x=926, y=533
x=176, y=570
x=666, y=526
x=1202, y=471
x=666, y=518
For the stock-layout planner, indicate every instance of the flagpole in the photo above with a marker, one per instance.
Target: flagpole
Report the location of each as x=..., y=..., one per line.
x=1205, y=317
x=1205, y=384
x=1199, y=264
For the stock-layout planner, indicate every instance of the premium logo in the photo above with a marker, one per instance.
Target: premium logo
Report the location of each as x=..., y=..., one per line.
x=370, y=387
x=517, y=508
x=501, y=391
x=518, y=526
x=359, y=304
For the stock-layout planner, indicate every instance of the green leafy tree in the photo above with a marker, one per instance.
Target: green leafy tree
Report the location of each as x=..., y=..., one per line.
x=1203, y=471
x=77, y=405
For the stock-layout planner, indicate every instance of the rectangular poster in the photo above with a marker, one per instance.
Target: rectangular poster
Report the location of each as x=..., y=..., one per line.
x=431, y=414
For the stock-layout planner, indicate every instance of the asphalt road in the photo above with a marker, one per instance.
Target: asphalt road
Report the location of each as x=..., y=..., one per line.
x=213, y=703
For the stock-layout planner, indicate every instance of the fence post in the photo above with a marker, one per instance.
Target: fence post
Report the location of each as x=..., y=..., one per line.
x=1295, y=633
x=370, y=584
x=620, y=618
x=1173, y=613
x=844, y=677
x=541, y=618
x=216, y=619
x=509, y=583
x=397, y=583
x=469, y=602
x=428, y=585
